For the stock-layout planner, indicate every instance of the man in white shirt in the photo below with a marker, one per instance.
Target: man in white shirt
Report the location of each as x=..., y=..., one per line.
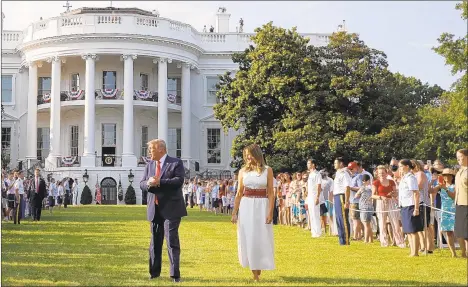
x=341, y=191
x=314, y=198
x=19, y=192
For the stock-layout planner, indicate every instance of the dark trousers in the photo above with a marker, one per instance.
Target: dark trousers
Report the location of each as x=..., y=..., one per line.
x=161, y=228
x=36, y=206
x=275, y=213
x=186, y=196
x=36, y=211
x=19, y=206
x=67, y=198
x=342, y=219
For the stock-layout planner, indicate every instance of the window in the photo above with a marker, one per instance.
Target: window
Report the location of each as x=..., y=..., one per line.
x=174, y=88
x=109, y=80
x=44, y=85
x=109, y=135
x=74, y=141
x=211, y=83
x=6, y=141
x=174, y=143
x=144, y=141
x=7, y=89
x=75, y=82
x=43, y=143
x=214, y=145
x=143, y=82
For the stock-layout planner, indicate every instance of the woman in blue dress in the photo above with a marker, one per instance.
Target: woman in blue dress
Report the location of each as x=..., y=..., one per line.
x=447, y=195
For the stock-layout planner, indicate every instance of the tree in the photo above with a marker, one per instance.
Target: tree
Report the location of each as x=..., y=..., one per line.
x=86, y=196
x=130, y=196
x=444, y=122
x=298, y=101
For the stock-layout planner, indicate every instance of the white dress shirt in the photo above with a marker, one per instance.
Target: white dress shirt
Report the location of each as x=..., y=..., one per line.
x=161, y=164
x=408, y=185
x=19, y=185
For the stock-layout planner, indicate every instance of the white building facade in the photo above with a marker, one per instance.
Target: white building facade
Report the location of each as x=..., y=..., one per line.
x=85, y=92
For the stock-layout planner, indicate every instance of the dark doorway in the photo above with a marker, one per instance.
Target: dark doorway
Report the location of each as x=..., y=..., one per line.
x=108, y=191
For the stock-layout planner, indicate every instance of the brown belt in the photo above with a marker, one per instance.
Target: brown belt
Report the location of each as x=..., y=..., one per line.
x=255, y=193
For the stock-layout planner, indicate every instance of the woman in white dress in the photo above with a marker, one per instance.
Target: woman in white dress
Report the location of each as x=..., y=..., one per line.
x=253, y=213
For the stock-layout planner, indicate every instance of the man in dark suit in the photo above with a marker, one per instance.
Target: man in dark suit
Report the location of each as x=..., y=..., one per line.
x=37, y=192
x=163, y=179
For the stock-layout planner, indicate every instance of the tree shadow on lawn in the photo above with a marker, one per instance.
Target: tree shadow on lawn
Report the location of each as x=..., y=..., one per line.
x=361, y=282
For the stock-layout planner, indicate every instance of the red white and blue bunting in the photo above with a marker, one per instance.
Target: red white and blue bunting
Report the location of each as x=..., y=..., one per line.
x=68, y=160
x=46, y=97
x=145, y=159
x=109, y=93
x=142, y=95
x=76, y=95
x=171, y=98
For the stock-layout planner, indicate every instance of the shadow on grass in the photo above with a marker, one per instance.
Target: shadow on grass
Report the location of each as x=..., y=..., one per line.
x=359, y=282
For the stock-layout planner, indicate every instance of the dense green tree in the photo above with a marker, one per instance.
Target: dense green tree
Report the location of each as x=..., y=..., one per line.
x=444, y=123
x=298, y=101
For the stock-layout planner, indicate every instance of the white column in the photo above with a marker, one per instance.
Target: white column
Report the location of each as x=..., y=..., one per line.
x=55, y=111
x=162, y=99
x=32, y=114
x=88, y=158
x=186, y=113
x=128, y=154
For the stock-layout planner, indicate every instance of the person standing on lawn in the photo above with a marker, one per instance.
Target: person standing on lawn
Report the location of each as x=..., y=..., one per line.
x=162, y=180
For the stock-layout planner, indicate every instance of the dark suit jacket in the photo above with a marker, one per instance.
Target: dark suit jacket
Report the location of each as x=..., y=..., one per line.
x=170, y=198
x=36, y=198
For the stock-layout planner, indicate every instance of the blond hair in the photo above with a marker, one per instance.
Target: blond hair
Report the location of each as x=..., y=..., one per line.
x=158, y=143
x=258, y=163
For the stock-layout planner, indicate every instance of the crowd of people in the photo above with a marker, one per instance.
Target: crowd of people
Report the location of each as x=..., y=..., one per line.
x=406, y=203
x=20, y=196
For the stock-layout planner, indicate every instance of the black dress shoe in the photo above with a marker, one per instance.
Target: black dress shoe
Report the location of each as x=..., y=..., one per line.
x=153, y=277
x=176, y=280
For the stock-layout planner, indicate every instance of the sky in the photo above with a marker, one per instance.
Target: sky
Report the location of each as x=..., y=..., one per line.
x=405, y=30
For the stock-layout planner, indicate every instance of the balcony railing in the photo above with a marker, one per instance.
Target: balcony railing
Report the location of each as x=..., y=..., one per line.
x=108, y=160
x=153, y=97
x=69, y=161
x=45, y=97
x=138, y=25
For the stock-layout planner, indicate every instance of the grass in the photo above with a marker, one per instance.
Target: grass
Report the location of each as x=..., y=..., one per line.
x=108, y=246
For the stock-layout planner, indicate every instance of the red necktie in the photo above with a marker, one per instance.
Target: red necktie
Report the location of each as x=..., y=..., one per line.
x=158, y=173
x=37, y=186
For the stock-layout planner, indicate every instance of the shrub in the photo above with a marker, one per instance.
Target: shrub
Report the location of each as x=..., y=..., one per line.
x=86, y=196
x=130, y=197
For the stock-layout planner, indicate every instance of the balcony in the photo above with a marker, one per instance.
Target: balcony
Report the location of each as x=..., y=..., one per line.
x=11, y=39
x=149, y=96
x=139, y=26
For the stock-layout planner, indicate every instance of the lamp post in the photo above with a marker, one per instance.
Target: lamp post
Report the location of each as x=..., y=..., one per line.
x=85, y=177
x=130, y=177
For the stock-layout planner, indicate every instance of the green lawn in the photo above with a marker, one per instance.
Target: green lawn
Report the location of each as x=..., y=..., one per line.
x=108, y=245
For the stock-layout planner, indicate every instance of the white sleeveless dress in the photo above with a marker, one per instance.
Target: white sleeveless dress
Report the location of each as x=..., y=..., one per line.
x=254, y=236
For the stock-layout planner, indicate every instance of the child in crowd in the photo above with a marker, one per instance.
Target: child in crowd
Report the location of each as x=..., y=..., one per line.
x=366, y=207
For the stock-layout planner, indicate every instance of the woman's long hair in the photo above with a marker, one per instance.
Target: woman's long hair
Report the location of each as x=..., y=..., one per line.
x=257, y=163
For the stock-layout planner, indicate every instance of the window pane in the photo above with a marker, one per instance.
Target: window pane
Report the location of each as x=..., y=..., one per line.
x=109, y=134
x=43, y=143
x=144, y=82
x=44, y=85
x=74, y=141
x=109, y=79
x=144, y=141
x=7, y=89
x=214, y=145
x=75, y=82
